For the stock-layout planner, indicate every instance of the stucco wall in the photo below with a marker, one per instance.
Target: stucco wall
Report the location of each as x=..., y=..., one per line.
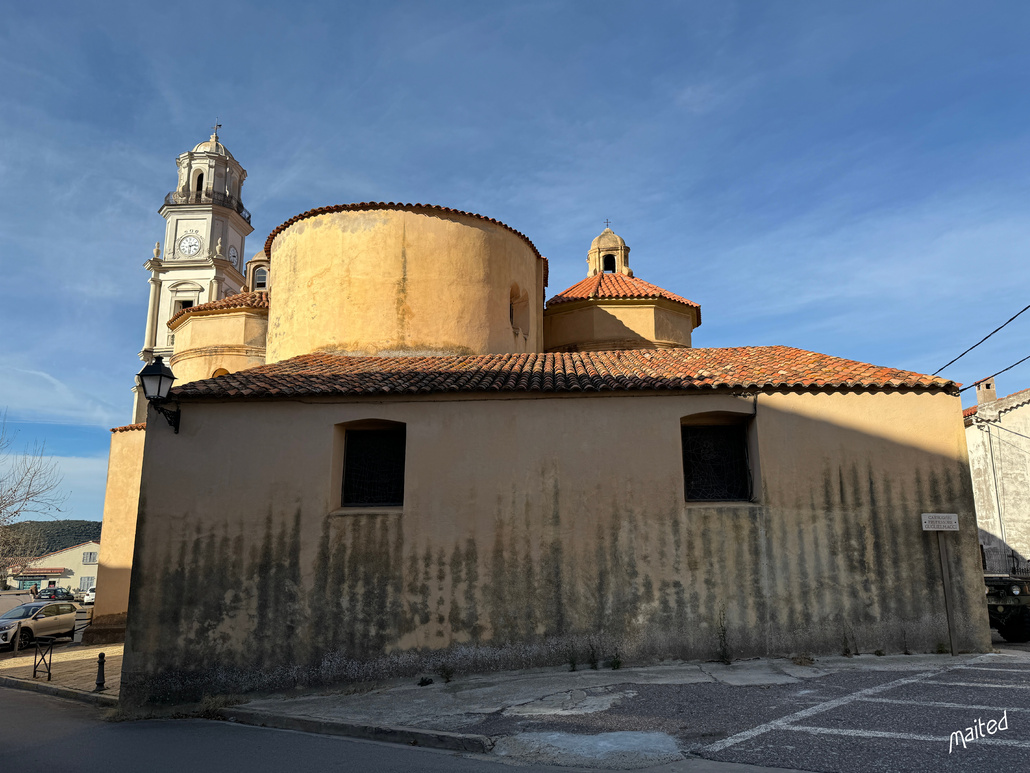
x=999, y=461
x=118, y=534
x=535, y=527
x=617, y=324
x=231, y=339
x=397, y=281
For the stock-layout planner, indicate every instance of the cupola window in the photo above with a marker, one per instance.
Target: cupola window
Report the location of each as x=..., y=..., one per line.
x=608, y=264
x=261, y=279
x=200, y=182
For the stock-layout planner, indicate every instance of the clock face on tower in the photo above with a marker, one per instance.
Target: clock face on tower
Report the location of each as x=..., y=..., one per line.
x=189, y=246
x=234, y=257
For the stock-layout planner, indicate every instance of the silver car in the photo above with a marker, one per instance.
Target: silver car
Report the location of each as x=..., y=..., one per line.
x=39, y=618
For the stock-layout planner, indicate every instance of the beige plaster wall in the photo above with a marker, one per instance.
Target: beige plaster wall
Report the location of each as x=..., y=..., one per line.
x=118, y=534
x=624, y=324
x=1000, y=466
x=392, y=281
x=233, y=339
x=536, y=526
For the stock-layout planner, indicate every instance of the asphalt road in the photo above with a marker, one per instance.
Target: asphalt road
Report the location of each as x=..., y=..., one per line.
x=39, y=732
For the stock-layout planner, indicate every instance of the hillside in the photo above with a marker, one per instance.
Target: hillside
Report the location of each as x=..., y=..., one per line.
x=56, y=535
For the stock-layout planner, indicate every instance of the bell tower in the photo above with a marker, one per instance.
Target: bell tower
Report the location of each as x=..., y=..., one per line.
x=206, y=226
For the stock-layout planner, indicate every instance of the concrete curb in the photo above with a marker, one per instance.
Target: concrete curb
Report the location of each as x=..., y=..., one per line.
x=48, y=688
x=410, y=736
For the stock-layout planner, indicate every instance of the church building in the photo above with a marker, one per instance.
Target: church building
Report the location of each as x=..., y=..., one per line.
x=385, y=454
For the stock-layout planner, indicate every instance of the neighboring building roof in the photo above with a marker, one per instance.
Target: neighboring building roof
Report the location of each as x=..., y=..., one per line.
x=239, y=301
x=613, y=285
x=65, y=550
x=968, y=412
x=372, y=205
x=130, y=427
x=630, y=370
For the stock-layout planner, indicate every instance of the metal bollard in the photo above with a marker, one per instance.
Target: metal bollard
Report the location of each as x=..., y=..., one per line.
x=100, y=673
x=17, y=640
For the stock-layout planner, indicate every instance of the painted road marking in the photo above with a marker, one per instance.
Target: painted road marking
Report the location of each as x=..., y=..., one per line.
x=783, y=722
x=988, y=668
x=903, y=736
x=982, y=684
x=940, y=704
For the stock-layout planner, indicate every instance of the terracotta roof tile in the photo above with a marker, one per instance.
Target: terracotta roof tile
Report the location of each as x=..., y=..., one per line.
x=366, y=206
x=609, y=285
x=632, y=370
x=969, y=412
x=238, y=301
x=130, y=427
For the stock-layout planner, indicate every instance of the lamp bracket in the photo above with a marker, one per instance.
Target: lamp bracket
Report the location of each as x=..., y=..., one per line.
x=172, y=415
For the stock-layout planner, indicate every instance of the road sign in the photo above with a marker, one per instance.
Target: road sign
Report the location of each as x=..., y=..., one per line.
x=940, y=521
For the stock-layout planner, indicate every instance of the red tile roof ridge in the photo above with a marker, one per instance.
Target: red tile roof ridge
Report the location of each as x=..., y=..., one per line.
x=610, y=285
x=745, y=367
x=130, y=427
x=373, y=205
x=251, y=300
x=966, y=413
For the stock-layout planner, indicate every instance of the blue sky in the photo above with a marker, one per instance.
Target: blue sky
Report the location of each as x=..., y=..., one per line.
x=848, y=178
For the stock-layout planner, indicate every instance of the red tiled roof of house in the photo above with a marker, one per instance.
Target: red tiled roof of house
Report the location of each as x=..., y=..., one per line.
x=611, y=285
x=31, y=570
x=631, y=370
x=968, y=412
x=373, y=205
x=130, y=427
x=238, y=301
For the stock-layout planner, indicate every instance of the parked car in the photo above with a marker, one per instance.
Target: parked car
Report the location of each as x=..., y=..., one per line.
x=1008, y=606
x=57, y=594
x=38, y=618
x=90, y=597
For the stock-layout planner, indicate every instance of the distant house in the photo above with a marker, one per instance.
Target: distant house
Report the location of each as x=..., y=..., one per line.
x=998, y=439
x=74, y=568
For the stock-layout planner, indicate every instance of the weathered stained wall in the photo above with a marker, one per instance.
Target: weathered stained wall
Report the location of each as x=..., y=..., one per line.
x=229, y=339
x=583, y=326
x=118, y=535
x=399, y=281
x=532, y=526
x=999, y=460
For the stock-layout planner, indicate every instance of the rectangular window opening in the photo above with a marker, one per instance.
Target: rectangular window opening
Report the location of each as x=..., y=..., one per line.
x=715, y=463
x=373, y=467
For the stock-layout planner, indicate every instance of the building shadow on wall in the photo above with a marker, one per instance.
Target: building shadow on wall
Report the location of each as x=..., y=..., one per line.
x=998, y=557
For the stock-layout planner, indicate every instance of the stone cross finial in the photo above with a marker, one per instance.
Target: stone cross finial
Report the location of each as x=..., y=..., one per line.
x=607, y=223
x=214, y=130
x=157, y=250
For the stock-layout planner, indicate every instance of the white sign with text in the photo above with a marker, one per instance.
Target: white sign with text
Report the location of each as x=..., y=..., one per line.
x=940, y=521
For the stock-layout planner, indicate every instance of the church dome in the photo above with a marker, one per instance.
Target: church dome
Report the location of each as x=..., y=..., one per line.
x=212, y=145
x=607, y=240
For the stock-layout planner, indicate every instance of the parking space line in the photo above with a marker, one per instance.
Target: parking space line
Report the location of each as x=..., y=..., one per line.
x=983, y=684
x=940, y=705
x=988, y=668
x=783, y=722
x=903, y=736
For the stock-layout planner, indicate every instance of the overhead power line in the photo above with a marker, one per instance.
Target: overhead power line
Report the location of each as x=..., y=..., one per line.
x=967, y=351
x=1010, y=367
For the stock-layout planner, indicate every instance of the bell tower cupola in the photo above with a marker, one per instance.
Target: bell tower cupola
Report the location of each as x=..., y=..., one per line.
x=608, y=254
x=206, y=226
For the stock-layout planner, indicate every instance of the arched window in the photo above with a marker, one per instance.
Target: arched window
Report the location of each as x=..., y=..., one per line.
x=260, y=279
x=200, y=182
x=220, y=372
x=608, y=264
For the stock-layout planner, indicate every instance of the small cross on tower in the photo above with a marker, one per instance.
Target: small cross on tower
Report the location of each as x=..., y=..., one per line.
x=607, y=223
x=214, y=129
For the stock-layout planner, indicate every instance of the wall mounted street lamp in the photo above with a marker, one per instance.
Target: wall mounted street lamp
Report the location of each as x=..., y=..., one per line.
x=155, y=380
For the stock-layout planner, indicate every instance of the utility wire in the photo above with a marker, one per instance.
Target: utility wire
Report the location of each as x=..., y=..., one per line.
x=967, y=351
x=1010, y=367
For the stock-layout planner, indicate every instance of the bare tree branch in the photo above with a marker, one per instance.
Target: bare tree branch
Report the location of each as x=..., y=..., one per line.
x=29, y=483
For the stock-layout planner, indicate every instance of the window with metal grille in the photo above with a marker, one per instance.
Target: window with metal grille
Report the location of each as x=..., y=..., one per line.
x=715, y=463
x=373, y=467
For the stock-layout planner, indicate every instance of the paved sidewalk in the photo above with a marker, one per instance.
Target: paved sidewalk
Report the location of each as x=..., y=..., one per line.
x=609, y=719
x=73, y=671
